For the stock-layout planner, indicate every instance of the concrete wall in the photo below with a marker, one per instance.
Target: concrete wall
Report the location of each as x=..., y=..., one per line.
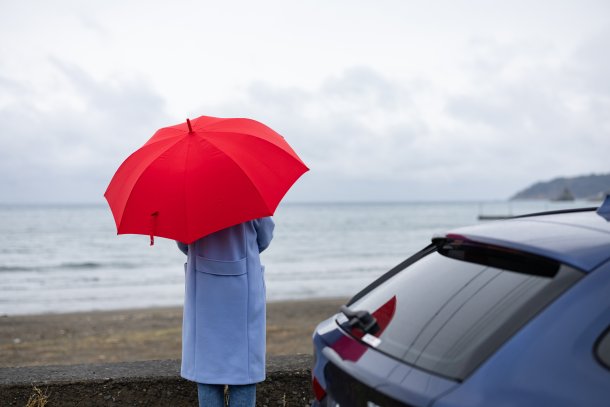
x=149, y=383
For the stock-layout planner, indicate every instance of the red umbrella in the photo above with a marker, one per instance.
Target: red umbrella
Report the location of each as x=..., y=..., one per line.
x=198, y=177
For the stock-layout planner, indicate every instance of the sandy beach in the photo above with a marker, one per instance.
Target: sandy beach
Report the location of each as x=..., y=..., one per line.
x=140, y=334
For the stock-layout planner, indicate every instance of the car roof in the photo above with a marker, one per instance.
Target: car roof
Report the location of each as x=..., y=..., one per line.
x=577, y=238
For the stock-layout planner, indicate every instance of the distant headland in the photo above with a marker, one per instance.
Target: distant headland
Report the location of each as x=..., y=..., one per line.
x=587, y=187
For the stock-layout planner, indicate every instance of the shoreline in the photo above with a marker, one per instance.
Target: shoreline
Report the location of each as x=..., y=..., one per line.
x=141, y=334
x=159, y=307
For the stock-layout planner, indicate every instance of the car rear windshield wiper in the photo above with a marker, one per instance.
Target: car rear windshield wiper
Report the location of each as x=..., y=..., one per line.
x=360, y=319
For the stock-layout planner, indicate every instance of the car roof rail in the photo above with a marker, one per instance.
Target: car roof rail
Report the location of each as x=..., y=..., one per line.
x=557, y=212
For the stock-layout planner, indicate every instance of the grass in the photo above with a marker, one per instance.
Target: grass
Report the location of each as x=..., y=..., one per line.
x=38, y=398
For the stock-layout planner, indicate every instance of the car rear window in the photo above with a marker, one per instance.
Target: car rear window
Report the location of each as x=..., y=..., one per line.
x=453, y=307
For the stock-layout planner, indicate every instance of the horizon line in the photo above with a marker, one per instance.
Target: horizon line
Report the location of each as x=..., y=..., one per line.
x=318, y=202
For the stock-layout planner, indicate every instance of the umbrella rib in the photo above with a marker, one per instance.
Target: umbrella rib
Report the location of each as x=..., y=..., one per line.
x=144, y=169
x=187, y=223
x=240, y=169
x=280, y=150
x=286, y=148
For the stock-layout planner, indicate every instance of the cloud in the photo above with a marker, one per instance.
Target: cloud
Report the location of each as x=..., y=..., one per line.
x=67, y=151
x=521, y=115
x=539, y=120
x=519, y=112
x=346, y=125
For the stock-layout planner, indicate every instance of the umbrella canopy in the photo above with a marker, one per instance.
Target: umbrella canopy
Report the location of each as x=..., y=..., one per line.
x=198, y=177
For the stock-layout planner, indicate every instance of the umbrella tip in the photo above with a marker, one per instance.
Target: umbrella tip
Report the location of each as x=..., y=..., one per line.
x=189, y=124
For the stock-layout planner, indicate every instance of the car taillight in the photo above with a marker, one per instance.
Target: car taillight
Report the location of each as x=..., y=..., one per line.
x=318, y=390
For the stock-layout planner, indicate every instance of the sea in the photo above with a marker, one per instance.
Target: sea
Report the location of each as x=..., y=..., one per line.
x=68, y=258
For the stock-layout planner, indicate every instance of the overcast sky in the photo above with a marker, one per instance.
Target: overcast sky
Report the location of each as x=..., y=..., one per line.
x=384, y=100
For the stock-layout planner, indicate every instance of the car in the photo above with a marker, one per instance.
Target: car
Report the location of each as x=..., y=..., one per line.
x=513, y=312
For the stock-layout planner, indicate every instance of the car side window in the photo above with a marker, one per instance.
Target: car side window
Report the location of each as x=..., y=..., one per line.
x=602, y=350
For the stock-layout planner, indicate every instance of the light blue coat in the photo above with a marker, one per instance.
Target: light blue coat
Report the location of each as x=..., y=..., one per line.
x=223, y=329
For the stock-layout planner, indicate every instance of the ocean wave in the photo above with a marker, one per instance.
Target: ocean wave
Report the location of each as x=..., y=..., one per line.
x=88, y=265
x=85, y=265
x=16, y=268
x=82, y=265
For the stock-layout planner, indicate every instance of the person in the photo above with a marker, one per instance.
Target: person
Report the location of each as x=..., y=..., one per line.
x=223, y=330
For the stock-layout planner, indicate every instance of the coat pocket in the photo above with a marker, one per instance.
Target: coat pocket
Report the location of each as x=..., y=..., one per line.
x=221, y=268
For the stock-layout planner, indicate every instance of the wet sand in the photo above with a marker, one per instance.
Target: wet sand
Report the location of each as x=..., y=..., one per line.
x=146, y=334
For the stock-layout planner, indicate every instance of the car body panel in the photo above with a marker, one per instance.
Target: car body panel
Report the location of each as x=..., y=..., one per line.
x=386, y=375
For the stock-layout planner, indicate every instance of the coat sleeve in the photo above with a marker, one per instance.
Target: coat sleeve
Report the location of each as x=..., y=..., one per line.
x=264, y=232
x=184, y=248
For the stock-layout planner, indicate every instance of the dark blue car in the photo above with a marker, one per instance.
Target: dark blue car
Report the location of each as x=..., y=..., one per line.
x=507, y=313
